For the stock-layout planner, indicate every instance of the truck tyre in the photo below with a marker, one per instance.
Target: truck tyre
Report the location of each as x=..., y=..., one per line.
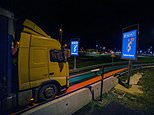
x=47, y=92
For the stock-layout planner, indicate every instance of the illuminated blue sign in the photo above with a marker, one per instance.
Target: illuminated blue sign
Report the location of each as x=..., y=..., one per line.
x=129, y=43
x=74, y=48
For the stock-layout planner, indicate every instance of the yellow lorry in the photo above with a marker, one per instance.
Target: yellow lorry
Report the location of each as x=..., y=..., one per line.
x=39, y=64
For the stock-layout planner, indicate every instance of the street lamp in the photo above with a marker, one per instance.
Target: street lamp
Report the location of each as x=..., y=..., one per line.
x=61, y=32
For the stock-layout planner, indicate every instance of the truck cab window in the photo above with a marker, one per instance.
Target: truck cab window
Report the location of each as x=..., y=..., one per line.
x=57, y=56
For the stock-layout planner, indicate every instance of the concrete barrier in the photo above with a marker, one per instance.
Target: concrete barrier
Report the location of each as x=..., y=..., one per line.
x=95, y=89
x=71, y=103
x=108, y=84
x=65, y=105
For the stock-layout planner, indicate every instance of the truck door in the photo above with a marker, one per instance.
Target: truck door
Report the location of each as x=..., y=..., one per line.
x=38, y=65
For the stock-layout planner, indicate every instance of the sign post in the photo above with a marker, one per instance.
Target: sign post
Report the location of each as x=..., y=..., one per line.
x=129, y=71
x=74, y=62
x=130, y=36
x=74, y=49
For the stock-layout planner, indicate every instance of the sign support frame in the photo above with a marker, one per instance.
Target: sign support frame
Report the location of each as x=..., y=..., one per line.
x=128, y=29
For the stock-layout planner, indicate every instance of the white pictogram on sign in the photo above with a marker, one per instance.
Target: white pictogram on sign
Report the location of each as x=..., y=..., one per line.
x=75, y=46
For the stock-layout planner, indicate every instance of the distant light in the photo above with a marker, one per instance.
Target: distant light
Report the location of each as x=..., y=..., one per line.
x=140, y=51
x=104, y=48
x=32, y=99
x=60, y=30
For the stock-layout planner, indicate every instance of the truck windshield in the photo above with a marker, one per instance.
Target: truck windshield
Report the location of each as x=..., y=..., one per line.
x=57, y=56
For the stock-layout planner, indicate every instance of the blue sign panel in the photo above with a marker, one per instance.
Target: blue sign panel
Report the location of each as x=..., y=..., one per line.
x=74, y=48
x=129, y=45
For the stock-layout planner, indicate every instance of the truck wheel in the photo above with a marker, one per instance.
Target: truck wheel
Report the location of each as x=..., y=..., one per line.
x=47, y=92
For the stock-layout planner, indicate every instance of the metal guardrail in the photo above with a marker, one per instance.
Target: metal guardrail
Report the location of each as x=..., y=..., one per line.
x=137, y=67
x=87, y=68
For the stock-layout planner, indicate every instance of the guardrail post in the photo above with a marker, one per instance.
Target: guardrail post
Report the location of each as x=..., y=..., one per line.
x=102, y=78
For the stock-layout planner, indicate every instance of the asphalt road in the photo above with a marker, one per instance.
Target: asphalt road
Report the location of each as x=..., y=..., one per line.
x=111, y=109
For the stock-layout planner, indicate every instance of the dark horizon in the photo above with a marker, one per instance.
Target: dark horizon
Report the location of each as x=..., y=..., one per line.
x=94, y=22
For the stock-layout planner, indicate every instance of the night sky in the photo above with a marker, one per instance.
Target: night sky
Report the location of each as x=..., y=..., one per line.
x=93, y=21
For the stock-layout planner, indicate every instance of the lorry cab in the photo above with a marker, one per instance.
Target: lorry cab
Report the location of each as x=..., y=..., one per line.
x=41, y=62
